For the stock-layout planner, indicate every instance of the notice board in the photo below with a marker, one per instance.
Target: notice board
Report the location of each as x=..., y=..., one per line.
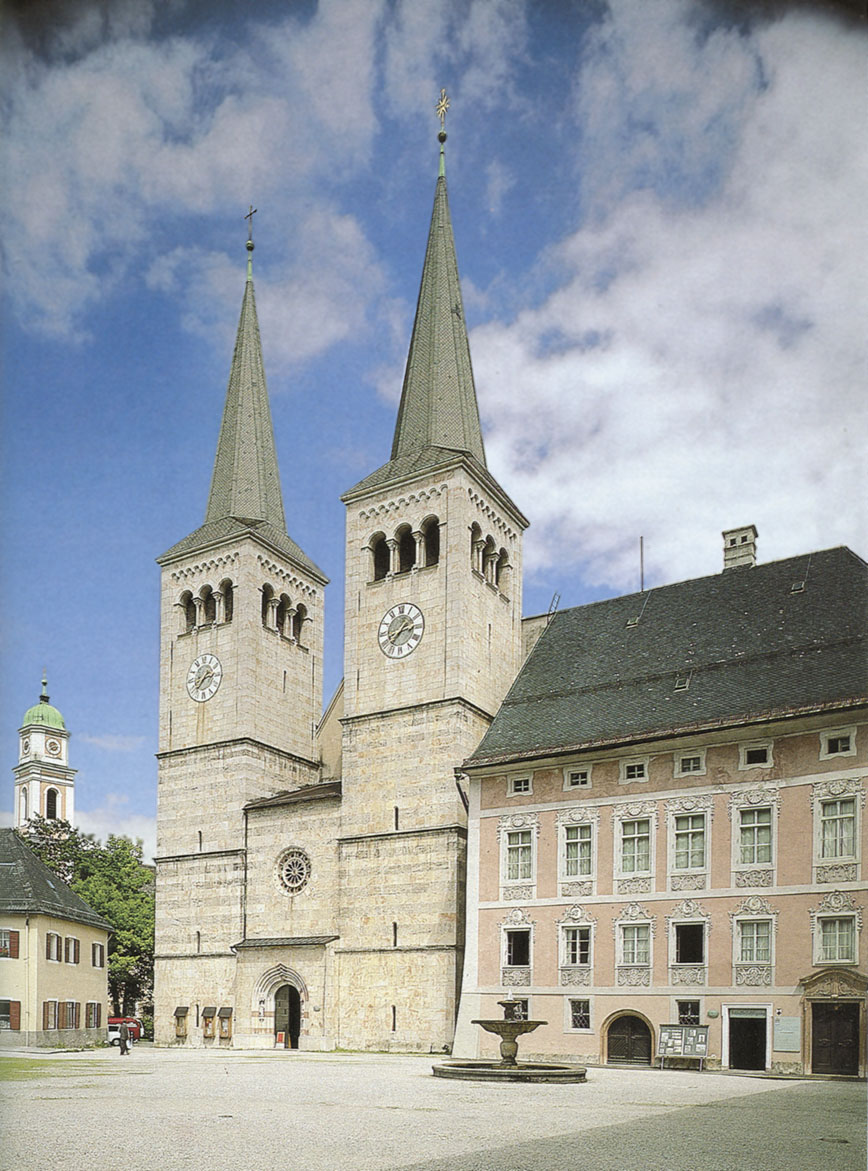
x=683, y=1041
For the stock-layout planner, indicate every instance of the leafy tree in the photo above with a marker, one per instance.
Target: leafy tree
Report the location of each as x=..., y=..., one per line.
x=115, y=882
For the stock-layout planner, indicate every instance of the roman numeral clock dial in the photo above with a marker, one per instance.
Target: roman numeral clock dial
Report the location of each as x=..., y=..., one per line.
x=401, y=630
x=204, y=677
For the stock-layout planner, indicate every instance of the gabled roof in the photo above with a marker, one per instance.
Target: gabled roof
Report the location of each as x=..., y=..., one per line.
x=28, y=887
x=245, y=497
x=748, y=645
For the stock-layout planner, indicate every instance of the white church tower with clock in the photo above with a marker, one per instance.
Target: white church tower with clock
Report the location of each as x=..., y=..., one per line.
x=311, y=871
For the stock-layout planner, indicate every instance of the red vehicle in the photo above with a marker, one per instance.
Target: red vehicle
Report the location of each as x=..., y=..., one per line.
x=137, y=1029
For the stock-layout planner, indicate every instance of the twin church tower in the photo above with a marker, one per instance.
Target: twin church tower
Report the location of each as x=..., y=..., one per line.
x=311, y=868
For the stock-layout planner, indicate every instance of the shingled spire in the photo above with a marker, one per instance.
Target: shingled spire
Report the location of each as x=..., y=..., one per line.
x=245, y=485
x=246, y=482
x=438, y=401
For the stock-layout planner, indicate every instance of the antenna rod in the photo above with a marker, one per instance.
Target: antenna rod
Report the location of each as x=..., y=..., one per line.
x=641, y=565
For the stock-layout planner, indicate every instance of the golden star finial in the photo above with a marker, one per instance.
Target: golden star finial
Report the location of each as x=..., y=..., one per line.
x=442, y=107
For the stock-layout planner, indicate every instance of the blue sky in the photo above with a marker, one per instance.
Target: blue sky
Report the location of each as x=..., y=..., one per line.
x=659, y=215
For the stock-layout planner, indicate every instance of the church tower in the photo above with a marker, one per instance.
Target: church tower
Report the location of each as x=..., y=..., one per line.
x=44, y=782
x=240, y=690
x=433, y=641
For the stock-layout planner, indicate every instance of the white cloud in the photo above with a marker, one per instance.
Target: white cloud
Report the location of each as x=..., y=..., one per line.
x=703, y=365
x=110, y=819
x=113, y=743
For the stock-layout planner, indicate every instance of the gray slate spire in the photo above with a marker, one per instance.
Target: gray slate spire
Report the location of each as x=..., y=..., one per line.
x=438, y=401
x=246, y=482
x=245, y=492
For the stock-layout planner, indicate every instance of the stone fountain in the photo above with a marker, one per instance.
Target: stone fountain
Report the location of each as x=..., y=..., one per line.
x=509, y=1069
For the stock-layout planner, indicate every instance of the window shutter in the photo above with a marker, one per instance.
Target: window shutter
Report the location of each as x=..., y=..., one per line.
x=66, y=950
x=76, y=1016
x=14, y=1014
x=48, y=946
x=61, y=1015
x=13, y=948
x=98, y=1015
x=45, y=1014
x=76, y=950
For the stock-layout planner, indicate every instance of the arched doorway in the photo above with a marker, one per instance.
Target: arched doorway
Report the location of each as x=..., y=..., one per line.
x=629, y=1040
x=287, y=1015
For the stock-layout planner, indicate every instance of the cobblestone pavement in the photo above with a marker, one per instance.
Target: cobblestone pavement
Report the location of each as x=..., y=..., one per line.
x=170, y=1110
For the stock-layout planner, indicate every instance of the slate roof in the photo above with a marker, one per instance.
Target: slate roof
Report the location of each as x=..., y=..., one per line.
x=28, y=887
x=438, y=412
x=245, y=497
x=298, y=796
x=754, y=648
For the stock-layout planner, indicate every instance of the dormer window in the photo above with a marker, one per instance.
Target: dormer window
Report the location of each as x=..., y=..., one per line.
x=516, y=786
x=634, y=769
x=838, y=742
x=577, y=778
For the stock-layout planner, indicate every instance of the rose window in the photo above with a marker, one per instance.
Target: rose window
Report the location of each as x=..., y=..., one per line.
x=293, y=869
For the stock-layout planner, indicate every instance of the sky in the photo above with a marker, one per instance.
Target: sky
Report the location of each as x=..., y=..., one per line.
x=658, y=208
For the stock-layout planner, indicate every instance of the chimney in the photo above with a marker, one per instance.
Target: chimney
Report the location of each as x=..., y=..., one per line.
x=739, y=547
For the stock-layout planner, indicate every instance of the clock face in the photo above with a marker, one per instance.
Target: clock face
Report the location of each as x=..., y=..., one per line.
x=204, y=677
x=25, y=746
x=52, y=747
x=401, y=630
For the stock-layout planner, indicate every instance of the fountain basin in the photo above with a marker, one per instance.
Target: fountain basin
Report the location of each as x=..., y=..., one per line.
x=524, y=1071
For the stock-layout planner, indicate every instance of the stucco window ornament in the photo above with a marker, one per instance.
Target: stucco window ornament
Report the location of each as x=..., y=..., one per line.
x=293, y=870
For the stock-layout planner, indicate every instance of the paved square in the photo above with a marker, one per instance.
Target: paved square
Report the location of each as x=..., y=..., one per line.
x=167, y=1110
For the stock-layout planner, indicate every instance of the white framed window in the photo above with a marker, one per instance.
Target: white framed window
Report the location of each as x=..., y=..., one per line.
x=755, y=754
x=577, y=778
x=838, y=742
x=633, y=769
x=50, y=1015
x=634, y=944
x=519, y=855
x=578, y=857
x=576, y=946
x=518, y=786
x=517, y=947
x=690, y=762
x=53, y=948
x=687, y=943
x=755, y=836
x=579, y=1015
x=635, y=852
x=836, y=940
x=688, y=1012
x=838, y=828
x=517, y=834
x=754, y=941
x=689, y=846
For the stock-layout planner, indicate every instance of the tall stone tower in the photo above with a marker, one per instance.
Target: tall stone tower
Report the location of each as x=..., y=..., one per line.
x=44, y=782
x=240, y=690
x=433, y=639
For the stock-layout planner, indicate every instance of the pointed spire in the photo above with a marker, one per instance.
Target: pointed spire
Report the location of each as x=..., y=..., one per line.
x=246, y=483
x=438, y=401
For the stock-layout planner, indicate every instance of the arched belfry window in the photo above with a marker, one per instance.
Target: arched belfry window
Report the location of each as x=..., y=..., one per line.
x=477, y=544
x=298, y=621
x=24, y=804
x=406, y=549
x=188, y=608
x=431, y=540
x=283, y=616
x=379, y=556
x=269, y=608
x=489, y=559
x=209, y=605
x=502, y=571
x=51, y=805
x=228, y=592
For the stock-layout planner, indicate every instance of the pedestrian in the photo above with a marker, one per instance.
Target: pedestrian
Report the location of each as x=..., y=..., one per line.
x=124, y=1038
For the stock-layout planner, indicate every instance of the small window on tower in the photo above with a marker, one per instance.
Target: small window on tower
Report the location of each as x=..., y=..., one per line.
x=380, y=556
x=431, y=533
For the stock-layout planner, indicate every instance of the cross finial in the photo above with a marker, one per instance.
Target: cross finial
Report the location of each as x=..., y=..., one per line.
x=441, y=107
x=249, y=217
